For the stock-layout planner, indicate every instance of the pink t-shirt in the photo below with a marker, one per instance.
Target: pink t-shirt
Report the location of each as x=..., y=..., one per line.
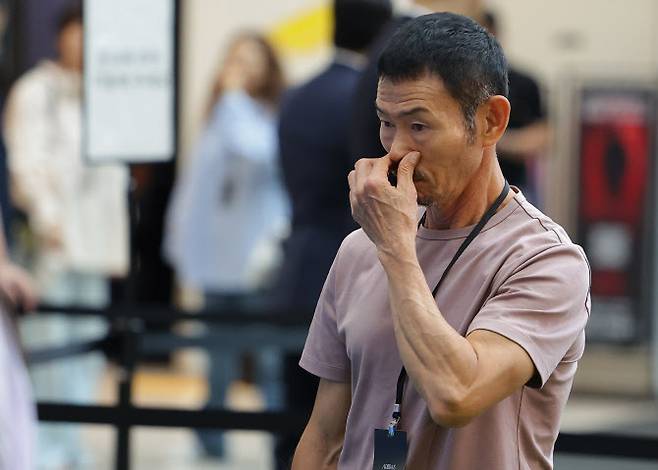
x=522, y=277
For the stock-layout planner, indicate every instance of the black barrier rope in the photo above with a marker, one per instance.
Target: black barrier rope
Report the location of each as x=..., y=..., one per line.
x=271, y=421
x=41, y=356
x=233, y=339
x=610, y=445
x=127, y=338
x=282, y=421
x=242, y=315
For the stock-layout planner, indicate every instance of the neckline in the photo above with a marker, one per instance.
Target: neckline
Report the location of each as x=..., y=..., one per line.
x=462, y=232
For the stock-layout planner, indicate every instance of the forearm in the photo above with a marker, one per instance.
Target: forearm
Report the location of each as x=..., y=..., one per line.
x=440, y=362
x=33, y=193
x=527, y=142
x=314, y=451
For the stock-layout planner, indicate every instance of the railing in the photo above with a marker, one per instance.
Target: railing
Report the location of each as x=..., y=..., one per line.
x=246, y=328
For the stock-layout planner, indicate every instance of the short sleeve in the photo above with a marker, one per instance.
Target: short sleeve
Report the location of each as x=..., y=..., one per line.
x=325, y=354
x=542, y=306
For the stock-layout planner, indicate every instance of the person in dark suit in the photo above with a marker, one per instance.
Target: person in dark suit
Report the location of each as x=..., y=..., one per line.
x=315, y=159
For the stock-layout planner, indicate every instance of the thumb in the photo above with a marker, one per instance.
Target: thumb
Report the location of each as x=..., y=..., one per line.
x=406, y=169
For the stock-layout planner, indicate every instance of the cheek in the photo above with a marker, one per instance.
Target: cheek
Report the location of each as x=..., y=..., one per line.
x=386, y=136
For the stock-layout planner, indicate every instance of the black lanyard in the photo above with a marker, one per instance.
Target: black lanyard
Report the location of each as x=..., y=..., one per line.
x=397, y=408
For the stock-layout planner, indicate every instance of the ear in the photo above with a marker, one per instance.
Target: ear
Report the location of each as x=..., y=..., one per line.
x=493, y=116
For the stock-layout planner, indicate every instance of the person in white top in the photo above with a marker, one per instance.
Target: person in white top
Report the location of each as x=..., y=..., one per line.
x=78, y=217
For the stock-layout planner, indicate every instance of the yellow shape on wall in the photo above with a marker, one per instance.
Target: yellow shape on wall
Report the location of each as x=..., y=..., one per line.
x=303, y=33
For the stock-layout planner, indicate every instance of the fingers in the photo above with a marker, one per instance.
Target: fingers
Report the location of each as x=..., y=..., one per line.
x=362, y=170
x=374, y=170
x=12, y=294
x=381, y=166
x=28, y=294
x=360, y=179
x=28, y=291
x=351, y=180
x=406, y=170
x=19, y=289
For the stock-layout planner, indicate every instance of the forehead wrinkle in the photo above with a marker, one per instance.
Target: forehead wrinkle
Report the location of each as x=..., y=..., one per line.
x=411, y=112
x=428, y=93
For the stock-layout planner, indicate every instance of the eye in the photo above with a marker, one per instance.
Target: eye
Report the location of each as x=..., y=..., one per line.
x=417, y=127
x=386, y=123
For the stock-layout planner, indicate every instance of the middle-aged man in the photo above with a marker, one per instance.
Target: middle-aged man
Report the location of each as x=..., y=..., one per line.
x=483, y=302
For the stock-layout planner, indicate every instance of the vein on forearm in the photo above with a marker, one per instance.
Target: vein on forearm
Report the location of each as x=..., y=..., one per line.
x=438, y=360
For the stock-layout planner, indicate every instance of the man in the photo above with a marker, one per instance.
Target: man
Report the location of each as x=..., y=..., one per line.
x=315, y=157
x=490, y=360
x=78, y=217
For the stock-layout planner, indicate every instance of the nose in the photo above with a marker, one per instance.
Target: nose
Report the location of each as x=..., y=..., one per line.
x=400, y=146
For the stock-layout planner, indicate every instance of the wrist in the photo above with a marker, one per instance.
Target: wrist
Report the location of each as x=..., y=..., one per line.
x=397, y=257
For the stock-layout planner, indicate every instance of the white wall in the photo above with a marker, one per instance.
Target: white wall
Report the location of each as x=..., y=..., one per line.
x=556, y=36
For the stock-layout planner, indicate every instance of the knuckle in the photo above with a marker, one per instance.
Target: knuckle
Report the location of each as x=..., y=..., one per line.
x=371, y=185
x=364, y=162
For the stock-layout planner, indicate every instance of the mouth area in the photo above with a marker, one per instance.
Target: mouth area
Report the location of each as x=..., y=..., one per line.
x=393, y=174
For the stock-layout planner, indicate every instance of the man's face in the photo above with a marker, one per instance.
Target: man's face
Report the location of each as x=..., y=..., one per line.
x=421, y=115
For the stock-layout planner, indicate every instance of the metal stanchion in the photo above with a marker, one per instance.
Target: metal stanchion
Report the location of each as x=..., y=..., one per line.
x=129, y=331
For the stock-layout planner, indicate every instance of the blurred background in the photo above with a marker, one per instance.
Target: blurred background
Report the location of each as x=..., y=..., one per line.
x=197, y=161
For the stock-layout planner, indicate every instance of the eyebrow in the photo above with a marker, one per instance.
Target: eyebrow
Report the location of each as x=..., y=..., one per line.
x=405, y=113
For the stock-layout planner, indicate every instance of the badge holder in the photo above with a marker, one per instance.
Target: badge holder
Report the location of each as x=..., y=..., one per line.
x=391, y=446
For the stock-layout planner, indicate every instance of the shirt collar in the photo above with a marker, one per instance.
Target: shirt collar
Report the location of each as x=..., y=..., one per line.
x=351, y=59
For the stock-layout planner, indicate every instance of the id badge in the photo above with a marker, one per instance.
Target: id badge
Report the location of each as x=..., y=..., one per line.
x=390, y=451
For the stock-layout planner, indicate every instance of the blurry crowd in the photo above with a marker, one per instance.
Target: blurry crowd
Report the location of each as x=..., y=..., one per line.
x=255, y=214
